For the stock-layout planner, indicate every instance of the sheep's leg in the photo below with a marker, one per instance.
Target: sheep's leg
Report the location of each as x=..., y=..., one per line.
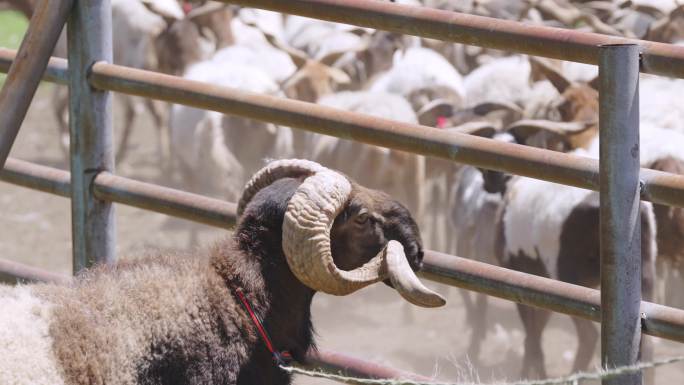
x=534, y=321
x=648, y=293
x=164, y=135
x=478, y=322
x=61, y=105
x=129, y=117
x=587, y=335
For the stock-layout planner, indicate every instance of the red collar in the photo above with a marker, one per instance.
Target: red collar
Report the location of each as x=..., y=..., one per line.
x=282, y=357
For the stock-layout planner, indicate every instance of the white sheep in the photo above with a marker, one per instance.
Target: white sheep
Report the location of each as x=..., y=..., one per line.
x=552, y=230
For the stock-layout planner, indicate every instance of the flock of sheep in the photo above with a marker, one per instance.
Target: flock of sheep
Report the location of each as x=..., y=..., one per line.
x=517, y=222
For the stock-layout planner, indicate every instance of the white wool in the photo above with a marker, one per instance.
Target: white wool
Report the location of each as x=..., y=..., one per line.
x=579, y=72
x=134, y=27
x=26, y=356
x=473, y=215
x=267, y=21
x=500, y=80
x=539, y=101
x=277, y=64
x=534, y=217
x=655, y=143
x=661, y=103
x=416, y=68
x=305, y=33
x=184, y=120
x=380, y=104
x=235, y=75
x=333, y=42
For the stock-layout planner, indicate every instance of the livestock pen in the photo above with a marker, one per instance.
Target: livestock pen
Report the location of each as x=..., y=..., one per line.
x=93, y=187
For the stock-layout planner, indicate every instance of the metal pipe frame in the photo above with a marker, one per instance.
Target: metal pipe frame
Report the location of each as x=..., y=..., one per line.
x=481, y=152
x=89, y=39
x=25, y=72
x=527, y=289
x=658, y=187
x=620, y=227
x=507, y=35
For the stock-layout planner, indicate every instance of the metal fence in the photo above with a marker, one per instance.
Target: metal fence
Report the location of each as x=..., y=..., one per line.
x=93, y=188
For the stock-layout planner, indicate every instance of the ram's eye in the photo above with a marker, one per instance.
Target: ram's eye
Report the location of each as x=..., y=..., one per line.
x=362, y=217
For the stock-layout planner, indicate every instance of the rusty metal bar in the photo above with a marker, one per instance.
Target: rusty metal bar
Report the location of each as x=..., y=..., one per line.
x=527, y=289
x=346, y=365
x=89, y=39
x=37, y=177
x=13, y=272
x=659, y=187
x=507, y=35
x=25, y=72
x=620, y=213
x=56, y=70
x=532, y=290
x=212, y=212
x=481, y=152
x=556, y=167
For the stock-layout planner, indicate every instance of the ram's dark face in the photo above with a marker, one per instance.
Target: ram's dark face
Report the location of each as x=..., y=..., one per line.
x=369, y=220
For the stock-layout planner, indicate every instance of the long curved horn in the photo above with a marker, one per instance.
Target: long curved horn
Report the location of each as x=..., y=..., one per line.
x=405, y=281
x=285, y=168
x=478, y=128
x=527, y=127
x=306, y=237
x=207, y=8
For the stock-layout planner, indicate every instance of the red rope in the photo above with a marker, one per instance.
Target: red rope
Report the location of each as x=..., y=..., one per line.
x=281, y=357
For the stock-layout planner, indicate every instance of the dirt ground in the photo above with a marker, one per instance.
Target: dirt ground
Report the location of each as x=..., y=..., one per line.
x=373, y=324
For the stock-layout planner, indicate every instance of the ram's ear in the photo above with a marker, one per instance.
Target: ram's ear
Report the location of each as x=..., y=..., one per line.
x=544, y=68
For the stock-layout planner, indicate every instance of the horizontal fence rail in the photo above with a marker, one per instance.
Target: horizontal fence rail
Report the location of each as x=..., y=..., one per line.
x=528, y=289
x=558, y=43
x=528, y=161
x=55, y=72
x=658, y=187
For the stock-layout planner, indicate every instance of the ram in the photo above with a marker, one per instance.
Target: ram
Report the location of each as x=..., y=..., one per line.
x=303, y=228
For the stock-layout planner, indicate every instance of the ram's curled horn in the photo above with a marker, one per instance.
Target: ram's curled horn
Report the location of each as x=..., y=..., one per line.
x=527, y=127
x=405, y=281
x=306, y=235
x=285, y=168
x=478, y=128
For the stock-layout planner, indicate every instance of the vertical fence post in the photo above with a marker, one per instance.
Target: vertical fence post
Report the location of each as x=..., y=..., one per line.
x=90, y=124
x=620, y=221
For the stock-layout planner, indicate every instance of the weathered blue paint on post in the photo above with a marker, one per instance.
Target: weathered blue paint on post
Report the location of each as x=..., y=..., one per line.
x=90, y=124
x=620, y=222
